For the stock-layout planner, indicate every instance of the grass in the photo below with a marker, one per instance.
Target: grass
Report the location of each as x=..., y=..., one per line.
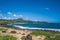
x=2, y=28
x=47, y=34
x=56, y=38
x=7, y=37
x=23, y=38
x=37, y=33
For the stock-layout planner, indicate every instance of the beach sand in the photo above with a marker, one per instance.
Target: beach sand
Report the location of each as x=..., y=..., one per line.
x=20, y=33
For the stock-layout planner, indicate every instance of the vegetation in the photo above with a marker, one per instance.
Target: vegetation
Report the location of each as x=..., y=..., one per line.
x=2, y=28
x=13, y=32
x=19, y=20
x=7, y=37
x=56, y=38
x=41, y=33
x=23, y=37
x=49, y=35
x=23, y=34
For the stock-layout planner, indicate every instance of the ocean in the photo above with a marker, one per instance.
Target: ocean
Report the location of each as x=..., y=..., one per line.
x=48, y=26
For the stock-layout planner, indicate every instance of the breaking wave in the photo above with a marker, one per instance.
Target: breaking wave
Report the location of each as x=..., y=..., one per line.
x=22, y=27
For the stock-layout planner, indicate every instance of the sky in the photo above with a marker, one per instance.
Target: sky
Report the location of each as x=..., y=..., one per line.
x=36, y=10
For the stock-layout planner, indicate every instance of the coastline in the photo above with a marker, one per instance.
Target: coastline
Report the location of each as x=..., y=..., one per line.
x=37, y=29
x=42, y=34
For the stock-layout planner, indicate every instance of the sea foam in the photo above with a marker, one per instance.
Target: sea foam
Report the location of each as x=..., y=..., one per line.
x=22, y=27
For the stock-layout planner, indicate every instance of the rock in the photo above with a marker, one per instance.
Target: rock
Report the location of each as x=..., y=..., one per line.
x=28, y=37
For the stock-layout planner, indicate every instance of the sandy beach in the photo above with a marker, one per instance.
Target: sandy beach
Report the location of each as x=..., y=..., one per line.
x=19, y=33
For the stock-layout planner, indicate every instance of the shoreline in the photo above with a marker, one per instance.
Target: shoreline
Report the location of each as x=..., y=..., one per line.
x=37, y=29
x=24, y=32
x=47, y=29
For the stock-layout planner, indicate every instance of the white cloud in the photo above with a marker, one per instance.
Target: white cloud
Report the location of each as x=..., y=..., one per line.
x=14, y=15
x=4, y=17
x=35, y=20
x=47, y=8
x=20, y=15
x=9, y=18
x=9, y=13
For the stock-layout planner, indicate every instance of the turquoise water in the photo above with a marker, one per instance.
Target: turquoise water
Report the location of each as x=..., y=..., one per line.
x=49, y=26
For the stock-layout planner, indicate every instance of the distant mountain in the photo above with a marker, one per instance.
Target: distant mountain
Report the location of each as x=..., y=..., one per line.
x=27, y=21
x=20, y=20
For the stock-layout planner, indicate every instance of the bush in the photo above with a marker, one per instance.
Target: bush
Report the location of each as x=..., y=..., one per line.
x=13, y=32
x=23, y=37
x=41, y=33
x=7, y=37
x=2, y=28
x=23, y=34
x=56, y=38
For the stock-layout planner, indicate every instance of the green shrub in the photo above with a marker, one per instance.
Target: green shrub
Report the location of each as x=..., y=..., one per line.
x=23, y=37
x=23, y=34
x=8, y=37
x=56, y=38
x=13, y=32
x=2, y=28
x=41, y=33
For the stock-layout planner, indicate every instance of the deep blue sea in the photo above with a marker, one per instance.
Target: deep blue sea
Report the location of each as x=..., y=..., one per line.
x=49, y=26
